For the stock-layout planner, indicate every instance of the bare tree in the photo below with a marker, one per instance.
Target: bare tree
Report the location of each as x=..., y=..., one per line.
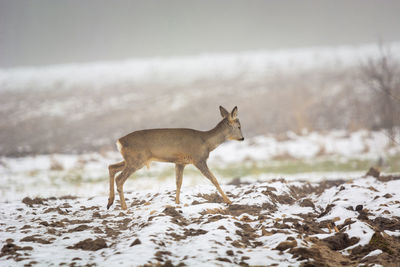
x=382, y=75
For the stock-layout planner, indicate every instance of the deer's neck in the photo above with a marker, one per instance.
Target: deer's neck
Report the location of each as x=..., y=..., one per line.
x=216, y=136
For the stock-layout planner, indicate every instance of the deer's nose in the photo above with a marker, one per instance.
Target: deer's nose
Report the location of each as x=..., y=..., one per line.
x=241, y=139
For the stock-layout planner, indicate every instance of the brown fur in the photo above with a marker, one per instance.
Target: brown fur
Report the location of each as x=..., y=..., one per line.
x=180, y=146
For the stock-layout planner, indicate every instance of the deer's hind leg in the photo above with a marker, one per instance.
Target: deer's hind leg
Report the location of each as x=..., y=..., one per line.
x=113, y=169
x=120, y=180
x=132, y=164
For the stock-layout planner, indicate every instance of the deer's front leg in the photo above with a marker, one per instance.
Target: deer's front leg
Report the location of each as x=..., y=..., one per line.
x=202, y=166
x=179, y=176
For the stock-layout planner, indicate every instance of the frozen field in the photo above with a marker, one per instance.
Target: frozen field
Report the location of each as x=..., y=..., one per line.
x=276, y=223
x=297, y=199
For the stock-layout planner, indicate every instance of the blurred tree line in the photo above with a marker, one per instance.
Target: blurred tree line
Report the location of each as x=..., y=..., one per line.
x=382, y=76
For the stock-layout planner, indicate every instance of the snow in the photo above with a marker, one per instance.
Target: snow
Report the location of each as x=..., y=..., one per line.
x=392, y=233
x=363, y=192
x=362, y=231
x=156, y=230
x=374, y=253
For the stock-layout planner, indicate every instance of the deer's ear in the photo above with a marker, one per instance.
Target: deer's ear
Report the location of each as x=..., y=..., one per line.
x=234, y=113
x=224, y=112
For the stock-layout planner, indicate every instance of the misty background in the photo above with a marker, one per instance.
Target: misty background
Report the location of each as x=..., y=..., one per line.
x=47, y=32
x=75, y=76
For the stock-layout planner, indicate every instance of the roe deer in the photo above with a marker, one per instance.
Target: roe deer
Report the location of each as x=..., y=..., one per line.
x=179, y=146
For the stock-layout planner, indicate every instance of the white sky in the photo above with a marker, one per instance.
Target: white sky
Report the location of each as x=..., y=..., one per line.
x=43, y=32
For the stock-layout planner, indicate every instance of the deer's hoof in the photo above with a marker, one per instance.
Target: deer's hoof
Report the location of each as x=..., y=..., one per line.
x=110, y=202
x=227, y=201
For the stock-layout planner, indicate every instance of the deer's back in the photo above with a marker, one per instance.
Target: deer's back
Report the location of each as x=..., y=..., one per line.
x=172, y=145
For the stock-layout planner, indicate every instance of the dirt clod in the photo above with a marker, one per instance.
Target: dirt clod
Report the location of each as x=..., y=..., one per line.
x=79, y=228
x=90, y=244
x=307, y=203
x=136, y=242
x=359, y=208
x=194, y=232
x=11, y=248
x=326, y=211
x=35, y=201
x=340, y=241
x=223, y=259
x=387, y=224
x=171, y=211
x=379, y=242
x=211, y=198
x=373, y=172
x=35, y=239
x=286, y=245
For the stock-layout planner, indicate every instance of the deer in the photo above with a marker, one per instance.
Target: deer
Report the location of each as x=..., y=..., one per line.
x=181, y=146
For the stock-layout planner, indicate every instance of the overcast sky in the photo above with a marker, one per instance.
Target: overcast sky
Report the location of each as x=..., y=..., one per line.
x=43, y=32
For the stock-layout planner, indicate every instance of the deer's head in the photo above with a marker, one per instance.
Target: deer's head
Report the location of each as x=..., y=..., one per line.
x=233, y=130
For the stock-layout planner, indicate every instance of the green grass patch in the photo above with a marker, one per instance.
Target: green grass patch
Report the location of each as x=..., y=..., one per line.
x=293, y=166
x=242, y=169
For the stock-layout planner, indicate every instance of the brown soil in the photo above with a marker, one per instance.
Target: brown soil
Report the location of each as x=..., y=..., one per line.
x=373, y=172
x=110, y=232
x=340, y=241
x=194, y=232
x=35, y=201
x=286, y=245
x=36, y=239
x=210, y=198
x=176, y=216
x=383, y=223
x=57, y=209
x=90, y=244
x=136, y=242
x=307, y=203
x=386, y=178
x=281, y=199
x=388, y=244
x=79, y=228
x=325, y=252
x=12, y=251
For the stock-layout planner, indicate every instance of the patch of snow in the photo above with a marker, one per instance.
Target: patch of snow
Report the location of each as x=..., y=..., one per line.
x=374, y=253
x=392, y=233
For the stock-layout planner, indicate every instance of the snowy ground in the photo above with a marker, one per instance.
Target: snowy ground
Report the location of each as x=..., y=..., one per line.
x=269, y=224
x=53, y=207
